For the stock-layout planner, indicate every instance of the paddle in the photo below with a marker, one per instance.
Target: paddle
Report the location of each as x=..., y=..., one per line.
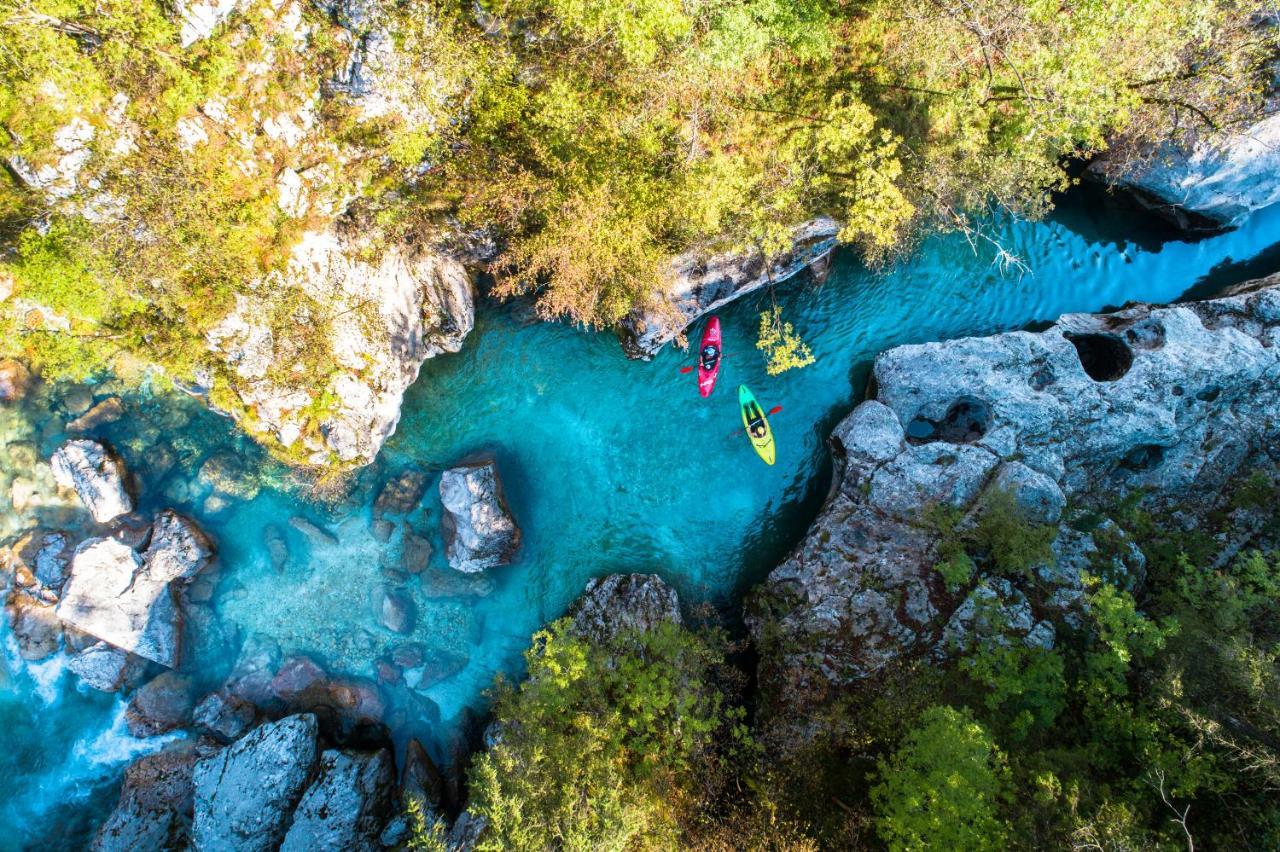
x=773, y=410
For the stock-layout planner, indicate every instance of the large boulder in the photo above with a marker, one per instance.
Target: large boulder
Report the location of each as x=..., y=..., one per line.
x=156, y=803
x=246, y=793
x=179, y=550
x=1203, y=183
x=703, y=281
x=130, y=599
x=347, y=806
x=479, y=531
x=621, y=603
x=97, y=477
x=375, y=320
x=161, y=705
x=1172, y=403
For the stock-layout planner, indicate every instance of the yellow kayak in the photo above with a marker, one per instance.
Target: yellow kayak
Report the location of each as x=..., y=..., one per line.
x=757, y=427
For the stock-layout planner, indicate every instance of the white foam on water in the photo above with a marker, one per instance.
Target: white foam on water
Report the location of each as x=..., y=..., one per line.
x=115, y=744
x=89, y=761
x=46, y=675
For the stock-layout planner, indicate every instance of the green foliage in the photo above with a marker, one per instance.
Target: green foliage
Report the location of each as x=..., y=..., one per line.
x=605, y=746
x=1014, y=544
x=1022, y=688
x=944, y=786
x=423, y=837
x=956, y=568
x=784, y=349
x=593, y=139
x=998, y=538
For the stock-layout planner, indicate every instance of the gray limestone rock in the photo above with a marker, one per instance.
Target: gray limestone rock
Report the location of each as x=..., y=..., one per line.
x=1172, y=402
x=97, y=477
x=618, y=603
x=479, y=531
x=347, y=806
x=245, y=794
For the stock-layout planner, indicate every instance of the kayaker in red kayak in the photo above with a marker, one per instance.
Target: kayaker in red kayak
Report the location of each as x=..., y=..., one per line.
x=709, y=357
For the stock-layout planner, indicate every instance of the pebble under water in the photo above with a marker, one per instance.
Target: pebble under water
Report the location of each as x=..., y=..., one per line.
x=609, y=465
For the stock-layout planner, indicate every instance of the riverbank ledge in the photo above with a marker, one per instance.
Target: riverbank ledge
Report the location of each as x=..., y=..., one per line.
x=1166, y=406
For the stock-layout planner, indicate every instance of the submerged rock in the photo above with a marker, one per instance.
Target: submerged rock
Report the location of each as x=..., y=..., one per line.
x=277, y=546
x=395, y=610
x=345, y=707
x=156, y=803
x=440, y=665
x=314, y=533
x=108, y=411
x=246, y=793
x=226, y=474
x=701, y=284
x=415, y=552
x=347, y=806
x=619, y=603
x=402, y=493
x=97, y=477
x=1173, y=402
x=254, y=670
x=479, y=531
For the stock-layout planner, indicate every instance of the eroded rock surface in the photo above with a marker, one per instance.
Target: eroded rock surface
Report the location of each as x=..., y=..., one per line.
x=1176, y=401
x=377, y=320
x=624, y=602
x=1208, y=182
x=479, y=531
x=106, y=668
x=156, y=803
x=347, y=806
x=129, y=599
x=701, y=283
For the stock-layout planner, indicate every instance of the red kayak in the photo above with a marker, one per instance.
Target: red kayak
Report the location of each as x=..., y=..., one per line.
x=709, y=357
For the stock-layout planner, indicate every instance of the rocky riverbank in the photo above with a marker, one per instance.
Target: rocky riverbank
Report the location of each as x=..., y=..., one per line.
x=288, y=758
x=1163, y=405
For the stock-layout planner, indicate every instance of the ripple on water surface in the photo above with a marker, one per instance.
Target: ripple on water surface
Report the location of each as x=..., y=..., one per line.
x=609, y=465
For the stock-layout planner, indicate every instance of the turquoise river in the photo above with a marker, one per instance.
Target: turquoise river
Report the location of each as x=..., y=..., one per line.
x=609, y=465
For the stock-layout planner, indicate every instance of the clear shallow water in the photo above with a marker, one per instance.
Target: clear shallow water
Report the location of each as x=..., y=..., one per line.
x=609, y=465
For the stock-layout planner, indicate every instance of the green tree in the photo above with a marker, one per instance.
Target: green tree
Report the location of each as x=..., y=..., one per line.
x=944, y=786
x=605, y=746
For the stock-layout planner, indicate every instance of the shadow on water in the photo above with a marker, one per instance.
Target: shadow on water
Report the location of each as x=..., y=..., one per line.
x=1108, y=216
x=1229, y=273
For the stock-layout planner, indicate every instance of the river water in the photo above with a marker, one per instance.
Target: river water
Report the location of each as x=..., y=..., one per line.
x=609, y=465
